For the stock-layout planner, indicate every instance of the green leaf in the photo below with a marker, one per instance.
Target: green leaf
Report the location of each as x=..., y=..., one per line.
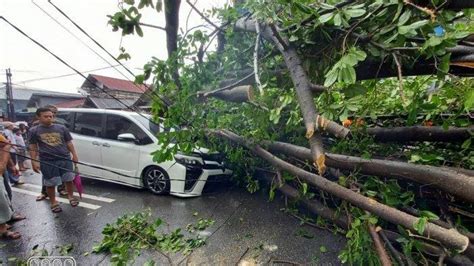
x=159, y=5
x=373, y=220
x=331, y=77
x=129, y=2
x=326, y=17
x=139, y=30
x=419, y=225
x=323, y=249
x=337, y=19
x=466, y=144
x=293, y=38
x=354, y=13
x=418, y=24
x=404, y=17
x=305, y=188
x=469, y=100
x=431, y=216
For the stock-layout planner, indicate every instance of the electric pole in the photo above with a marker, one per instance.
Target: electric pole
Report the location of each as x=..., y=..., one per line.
x=10, y=105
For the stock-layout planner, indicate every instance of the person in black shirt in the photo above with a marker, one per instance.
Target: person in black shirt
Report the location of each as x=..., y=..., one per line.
x=53, y=144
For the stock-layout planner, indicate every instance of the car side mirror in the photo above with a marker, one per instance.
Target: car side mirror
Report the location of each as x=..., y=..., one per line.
x=127, y=137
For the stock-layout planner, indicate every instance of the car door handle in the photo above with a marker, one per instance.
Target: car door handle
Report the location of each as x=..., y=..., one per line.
x=106, y=145
x=95, y=143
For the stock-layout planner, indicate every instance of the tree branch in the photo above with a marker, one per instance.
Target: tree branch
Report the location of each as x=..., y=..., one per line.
x=449, y=238
x=455, y=183
x=202, y=15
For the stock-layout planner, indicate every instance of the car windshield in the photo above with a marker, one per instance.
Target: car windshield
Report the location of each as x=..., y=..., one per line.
x=147, y=121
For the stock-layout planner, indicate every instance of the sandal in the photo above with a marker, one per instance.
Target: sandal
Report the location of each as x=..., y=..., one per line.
x=10, y=235
x=63, y=193
x=16, y=218
x=56, y=208
x=41, y=197
x=74, y=202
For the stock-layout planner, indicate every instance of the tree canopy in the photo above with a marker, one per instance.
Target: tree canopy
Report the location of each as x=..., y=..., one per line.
x=362, y=110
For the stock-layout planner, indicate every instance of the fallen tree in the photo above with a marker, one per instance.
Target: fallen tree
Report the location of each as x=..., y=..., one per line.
x=458, y=184
x=314, y=65
x=449, y=238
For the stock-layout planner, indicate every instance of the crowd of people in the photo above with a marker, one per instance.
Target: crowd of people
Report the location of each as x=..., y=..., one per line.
x=52, y=154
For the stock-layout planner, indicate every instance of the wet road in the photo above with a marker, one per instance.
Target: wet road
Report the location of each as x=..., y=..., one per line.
x=247, y=227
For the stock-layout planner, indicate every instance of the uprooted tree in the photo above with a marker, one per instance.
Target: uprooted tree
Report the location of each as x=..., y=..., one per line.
x=360, y=110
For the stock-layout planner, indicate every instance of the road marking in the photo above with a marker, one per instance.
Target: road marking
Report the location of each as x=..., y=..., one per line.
x=86, y=196
x=33, y=193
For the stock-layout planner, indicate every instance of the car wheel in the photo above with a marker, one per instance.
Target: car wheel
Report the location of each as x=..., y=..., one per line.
x=156, y=180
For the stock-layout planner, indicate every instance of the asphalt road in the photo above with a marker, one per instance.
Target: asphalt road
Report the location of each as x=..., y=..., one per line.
x=247, y=227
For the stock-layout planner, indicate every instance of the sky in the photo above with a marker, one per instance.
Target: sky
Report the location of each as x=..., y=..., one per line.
x=28, y=61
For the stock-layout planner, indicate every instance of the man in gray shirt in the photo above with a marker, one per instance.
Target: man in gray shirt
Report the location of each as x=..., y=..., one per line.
x=53, y=144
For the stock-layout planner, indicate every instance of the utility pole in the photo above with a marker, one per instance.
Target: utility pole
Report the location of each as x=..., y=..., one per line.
x=10, y=105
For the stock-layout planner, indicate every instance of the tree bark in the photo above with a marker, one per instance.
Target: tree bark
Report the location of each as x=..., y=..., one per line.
x=449, y=238
x=172, y=26
x=238, y=94
x=456, y=183
x=379, y=247
x=421, y=133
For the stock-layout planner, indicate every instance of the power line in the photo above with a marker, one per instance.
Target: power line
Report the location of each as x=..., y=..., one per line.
x=105, y=50
x=65, y=75
x=88, y=165
x=74, y=69
x=81, y=41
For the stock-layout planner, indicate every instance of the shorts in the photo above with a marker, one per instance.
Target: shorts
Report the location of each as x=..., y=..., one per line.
x=57, y=172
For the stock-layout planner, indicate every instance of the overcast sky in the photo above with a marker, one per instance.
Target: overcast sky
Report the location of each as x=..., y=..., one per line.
x=27, y=61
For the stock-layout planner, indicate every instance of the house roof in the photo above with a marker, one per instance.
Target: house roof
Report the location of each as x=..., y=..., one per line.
x=71, y=104
x=116, y=84
x=22, y=93
x=110, y=103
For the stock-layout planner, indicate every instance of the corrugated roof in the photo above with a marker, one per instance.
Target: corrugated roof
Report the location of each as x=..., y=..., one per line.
x=110, y=103
x=119, y=84
x=25, y=93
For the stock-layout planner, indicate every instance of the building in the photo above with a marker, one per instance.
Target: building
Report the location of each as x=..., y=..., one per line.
x=107, y=103
x=21, y=96
x=118, y=88
x=43, y=98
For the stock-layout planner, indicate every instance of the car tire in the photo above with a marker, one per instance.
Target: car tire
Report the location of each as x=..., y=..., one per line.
x=156, y=180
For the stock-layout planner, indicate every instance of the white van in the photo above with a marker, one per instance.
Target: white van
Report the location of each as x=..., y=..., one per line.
x=123, y=141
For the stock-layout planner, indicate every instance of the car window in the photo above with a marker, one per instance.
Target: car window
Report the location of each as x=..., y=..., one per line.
x=65, y=118
x=116, y=125
x=88, y=124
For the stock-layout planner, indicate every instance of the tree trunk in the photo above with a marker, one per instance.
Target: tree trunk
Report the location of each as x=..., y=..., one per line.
x=449, y=238
x=456, y=183
x=420, y=133
x=238, y=94
x=172, y=26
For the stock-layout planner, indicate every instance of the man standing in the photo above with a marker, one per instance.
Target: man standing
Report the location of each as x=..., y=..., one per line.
x=61, y=189
x=54, y=144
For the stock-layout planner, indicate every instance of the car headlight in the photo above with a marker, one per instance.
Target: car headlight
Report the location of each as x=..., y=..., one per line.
x=187, y=161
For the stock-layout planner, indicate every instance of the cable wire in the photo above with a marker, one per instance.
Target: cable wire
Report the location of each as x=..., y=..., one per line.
x=89, y=165
x=106, y=51
x=64, y=75
x=75, y=70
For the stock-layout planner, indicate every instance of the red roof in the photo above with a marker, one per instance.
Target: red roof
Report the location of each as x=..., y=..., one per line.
x=71, y=104
x=119, y=84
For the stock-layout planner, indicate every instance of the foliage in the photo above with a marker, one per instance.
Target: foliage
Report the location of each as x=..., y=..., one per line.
x=333, y=44
x=132, y=233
